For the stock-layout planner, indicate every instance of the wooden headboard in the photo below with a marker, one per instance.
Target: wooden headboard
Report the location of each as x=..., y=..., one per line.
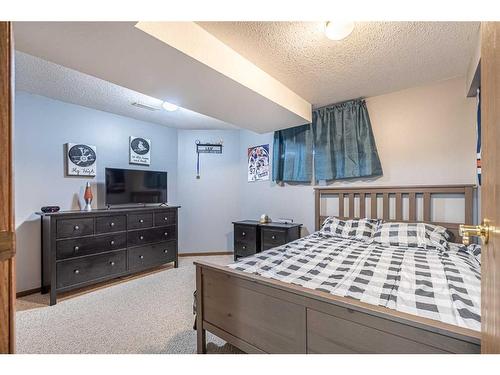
x=360, y=194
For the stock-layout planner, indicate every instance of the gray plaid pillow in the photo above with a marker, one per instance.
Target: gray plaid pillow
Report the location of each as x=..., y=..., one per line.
x=356, y=229
x=474, y=250
x=426, y=236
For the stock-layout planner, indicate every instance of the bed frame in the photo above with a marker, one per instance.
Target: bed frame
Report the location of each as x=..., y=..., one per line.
x=260, y=315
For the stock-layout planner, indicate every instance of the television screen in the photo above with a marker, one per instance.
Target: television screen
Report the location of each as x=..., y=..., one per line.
x=126, y=186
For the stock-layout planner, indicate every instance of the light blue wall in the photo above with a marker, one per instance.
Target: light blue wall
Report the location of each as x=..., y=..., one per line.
x=290, y=201
x=211, y=203
x=42, y=127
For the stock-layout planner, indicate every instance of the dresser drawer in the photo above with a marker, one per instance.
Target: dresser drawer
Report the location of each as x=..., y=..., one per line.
x=143, y=220
x=245, y=233
x=272, y=238
x=108, y=224
x=165, y=218
x=152, y=255
x=74, y=227
x=243, y=249
x=145, y=236
x=77, y=271
x=90, y=245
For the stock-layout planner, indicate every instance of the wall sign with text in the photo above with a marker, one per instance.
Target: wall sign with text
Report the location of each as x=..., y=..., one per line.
x=81, y=159
x=140, y=151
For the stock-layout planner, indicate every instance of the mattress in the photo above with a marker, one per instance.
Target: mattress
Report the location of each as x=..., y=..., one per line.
x=435, y=284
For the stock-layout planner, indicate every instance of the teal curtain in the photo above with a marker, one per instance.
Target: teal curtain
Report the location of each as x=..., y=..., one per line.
x=344, y=146
x=292, y=154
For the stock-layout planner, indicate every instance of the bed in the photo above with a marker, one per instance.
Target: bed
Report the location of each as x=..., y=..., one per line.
x=270, y=302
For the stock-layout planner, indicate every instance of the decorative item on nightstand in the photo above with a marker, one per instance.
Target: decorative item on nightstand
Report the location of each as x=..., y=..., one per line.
x=88, y=197
x=264, y=219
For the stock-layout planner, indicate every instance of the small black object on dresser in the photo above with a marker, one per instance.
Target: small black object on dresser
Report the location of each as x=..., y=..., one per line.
x=49, y=209
x=80, y=248
x=251, y=237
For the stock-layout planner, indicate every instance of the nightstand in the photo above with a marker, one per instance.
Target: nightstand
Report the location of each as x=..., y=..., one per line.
x=251, y=237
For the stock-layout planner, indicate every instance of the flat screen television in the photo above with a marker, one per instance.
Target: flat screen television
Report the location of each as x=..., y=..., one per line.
x=131, y=186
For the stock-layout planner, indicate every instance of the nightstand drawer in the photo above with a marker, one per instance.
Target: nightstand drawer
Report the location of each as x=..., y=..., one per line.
x=245, y=233
x=243, y=249
x=272, y=238
x=136, y=221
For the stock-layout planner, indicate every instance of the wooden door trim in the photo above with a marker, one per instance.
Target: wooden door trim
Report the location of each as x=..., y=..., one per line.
x=490, y=134
x=7, y=237
x=6, y=138
x=7, y=249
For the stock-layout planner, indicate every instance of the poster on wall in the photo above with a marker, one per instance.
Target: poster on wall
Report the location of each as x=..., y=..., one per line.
x=258, y=163
x=81, y=159
x=140, y=150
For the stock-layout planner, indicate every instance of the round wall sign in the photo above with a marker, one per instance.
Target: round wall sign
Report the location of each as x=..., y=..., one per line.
x=140, y=146
x=82, y=155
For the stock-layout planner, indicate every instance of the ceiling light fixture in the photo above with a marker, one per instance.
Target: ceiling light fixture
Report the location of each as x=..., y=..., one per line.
x=145, y=106
x=169, y=107
x=338, y=30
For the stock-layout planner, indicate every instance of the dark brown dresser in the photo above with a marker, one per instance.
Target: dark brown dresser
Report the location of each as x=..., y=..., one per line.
x=81, y=248
x=251, y=237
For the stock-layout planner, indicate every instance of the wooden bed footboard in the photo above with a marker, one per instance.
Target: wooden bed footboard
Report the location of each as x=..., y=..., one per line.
x=260, y=315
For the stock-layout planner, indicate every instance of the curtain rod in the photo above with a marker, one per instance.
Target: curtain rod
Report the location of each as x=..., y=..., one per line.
x=339, y=103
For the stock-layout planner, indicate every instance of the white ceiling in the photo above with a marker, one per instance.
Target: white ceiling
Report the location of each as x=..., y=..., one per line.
x=377, y=58
x=120, y=53
x=37, y=76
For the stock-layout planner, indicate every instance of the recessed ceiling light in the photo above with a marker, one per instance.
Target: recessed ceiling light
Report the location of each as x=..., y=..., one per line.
x=169, y=107
x=338, y=30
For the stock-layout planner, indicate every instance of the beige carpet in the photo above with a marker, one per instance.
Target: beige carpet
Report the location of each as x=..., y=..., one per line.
x=149, y=314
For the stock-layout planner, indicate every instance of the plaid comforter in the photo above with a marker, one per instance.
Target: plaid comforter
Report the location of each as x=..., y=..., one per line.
x=435, y=284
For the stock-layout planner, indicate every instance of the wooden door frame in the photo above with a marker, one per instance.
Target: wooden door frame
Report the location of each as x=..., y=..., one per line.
x=7, y=229
x=490, y=134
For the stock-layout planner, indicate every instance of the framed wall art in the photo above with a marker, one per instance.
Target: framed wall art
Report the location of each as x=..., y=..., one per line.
x=140, y=150
x=258, y=163
x=81, y=159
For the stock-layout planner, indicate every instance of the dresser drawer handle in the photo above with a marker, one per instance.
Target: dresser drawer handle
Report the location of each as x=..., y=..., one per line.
x=111, y=224
x=111, y=242
x=76, y=248
x=141, y=220
x=165, y=251
x=112, y=263
x=141, y=237
x=77, y=271
x=77, y=227
x=243, y=234
x=165, y=218
x=273, y=237
x=166, y=234
x=244, y=247
x=141, y=256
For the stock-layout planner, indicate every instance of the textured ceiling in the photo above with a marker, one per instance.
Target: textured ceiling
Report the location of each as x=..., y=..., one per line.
x=41, y=77
x=377, y=58
x=123, y=54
